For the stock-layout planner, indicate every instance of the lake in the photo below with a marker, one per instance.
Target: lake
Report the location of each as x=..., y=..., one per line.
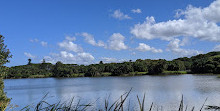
x=164, y=91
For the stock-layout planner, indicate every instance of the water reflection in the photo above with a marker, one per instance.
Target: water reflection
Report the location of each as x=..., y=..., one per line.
x=165, y=91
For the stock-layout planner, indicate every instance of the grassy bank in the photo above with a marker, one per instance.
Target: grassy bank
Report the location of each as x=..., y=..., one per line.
x=138, y=73
x=174, y=72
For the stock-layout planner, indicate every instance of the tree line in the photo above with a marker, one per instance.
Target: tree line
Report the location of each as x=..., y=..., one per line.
x=202, y=63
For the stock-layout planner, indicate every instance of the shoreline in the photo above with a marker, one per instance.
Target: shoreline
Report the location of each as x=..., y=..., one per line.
x=124, y=75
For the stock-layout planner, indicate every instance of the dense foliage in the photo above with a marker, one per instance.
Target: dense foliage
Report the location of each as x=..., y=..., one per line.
x=206, y=63
x=202, y=63
x=4, y=56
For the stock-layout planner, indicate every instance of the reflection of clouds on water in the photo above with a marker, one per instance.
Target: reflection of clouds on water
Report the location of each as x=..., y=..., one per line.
x=164, y=91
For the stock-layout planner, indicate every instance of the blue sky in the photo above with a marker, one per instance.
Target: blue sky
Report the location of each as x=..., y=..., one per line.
x=88, y=31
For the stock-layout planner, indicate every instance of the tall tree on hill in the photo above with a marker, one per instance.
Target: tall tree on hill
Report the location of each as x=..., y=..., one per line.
x=29, y=61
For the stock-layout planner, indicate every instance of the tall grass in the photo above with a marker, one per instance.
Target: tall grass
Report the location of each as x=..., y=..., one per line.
x=117, y=105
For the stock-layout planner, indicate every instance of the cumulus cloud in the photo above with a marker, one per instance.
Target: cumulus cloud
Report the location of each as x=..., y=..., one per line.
x=116, y=42
x=174, y=46
x=29, y=55
x=120, y=15
x=90, y=39
x=69, y=58
x=136, y=10
x=43, y=43
x=71, y=53
x=201, y=23
x=144, y=47
x=185, y=41
x=216, y=48
x=70, y=46
x=69, y=38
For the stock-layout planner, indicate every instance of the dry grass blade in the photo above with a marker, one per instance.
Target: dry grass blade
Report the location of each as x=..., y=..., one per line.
x=141, y=105
x=212, y=107
x=70, y=104
x=186, y=108
x=77, y=105
x=193, y=108
x=117, y=104
x=139, y=102
x=151, y=106
x=203, y=104
x=181, y=105
x=90, y=104
x=122, y=102
x=107, y=103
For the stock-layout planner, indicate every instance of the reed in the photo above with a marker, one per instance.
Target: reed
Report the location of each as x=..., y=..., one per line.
x=117, y=105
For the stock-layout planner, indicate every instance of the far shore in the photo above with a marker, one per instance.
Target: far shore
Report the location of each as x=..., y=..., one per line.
x=107, y=74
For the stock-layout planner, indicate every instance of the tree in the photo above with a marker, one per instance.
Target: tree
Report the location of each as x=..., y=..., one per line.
x=4, y=52
x=217, y=70
x=156, y=66
x=58, y=69
x=44, y=61
x=122, y=68
x=29, y=61
x=92, y=72
x=139, y=66
x=4, y=56
x=101, y=62
x=175, y=65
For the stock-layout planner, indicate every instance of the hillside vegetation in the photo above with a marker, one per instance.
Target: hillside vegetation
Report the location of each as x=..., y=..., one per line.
x=202, y=63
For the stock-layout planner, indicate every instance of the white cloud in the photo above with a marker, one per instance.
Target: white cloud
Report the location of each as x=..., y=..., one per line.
x=108, y=60
x=201, y=23
x=144, y=47
x=216, y=48
x=69, y=38
x=70, y=46
x=29, y=55
x=133, y=53
x=116, y=42
x=34, y=40
x=111, y=60
x=44, y=44
x=85, y=57
x=136, y=10
x=69, y=58
x=120, y=15
x=185, y=41
x=174, y=46
x=71, y=53
x=90, y=39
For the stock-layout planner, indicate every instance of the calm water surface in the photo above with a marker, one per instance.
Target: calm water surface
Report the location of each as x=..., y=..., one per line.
x=165, y=91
